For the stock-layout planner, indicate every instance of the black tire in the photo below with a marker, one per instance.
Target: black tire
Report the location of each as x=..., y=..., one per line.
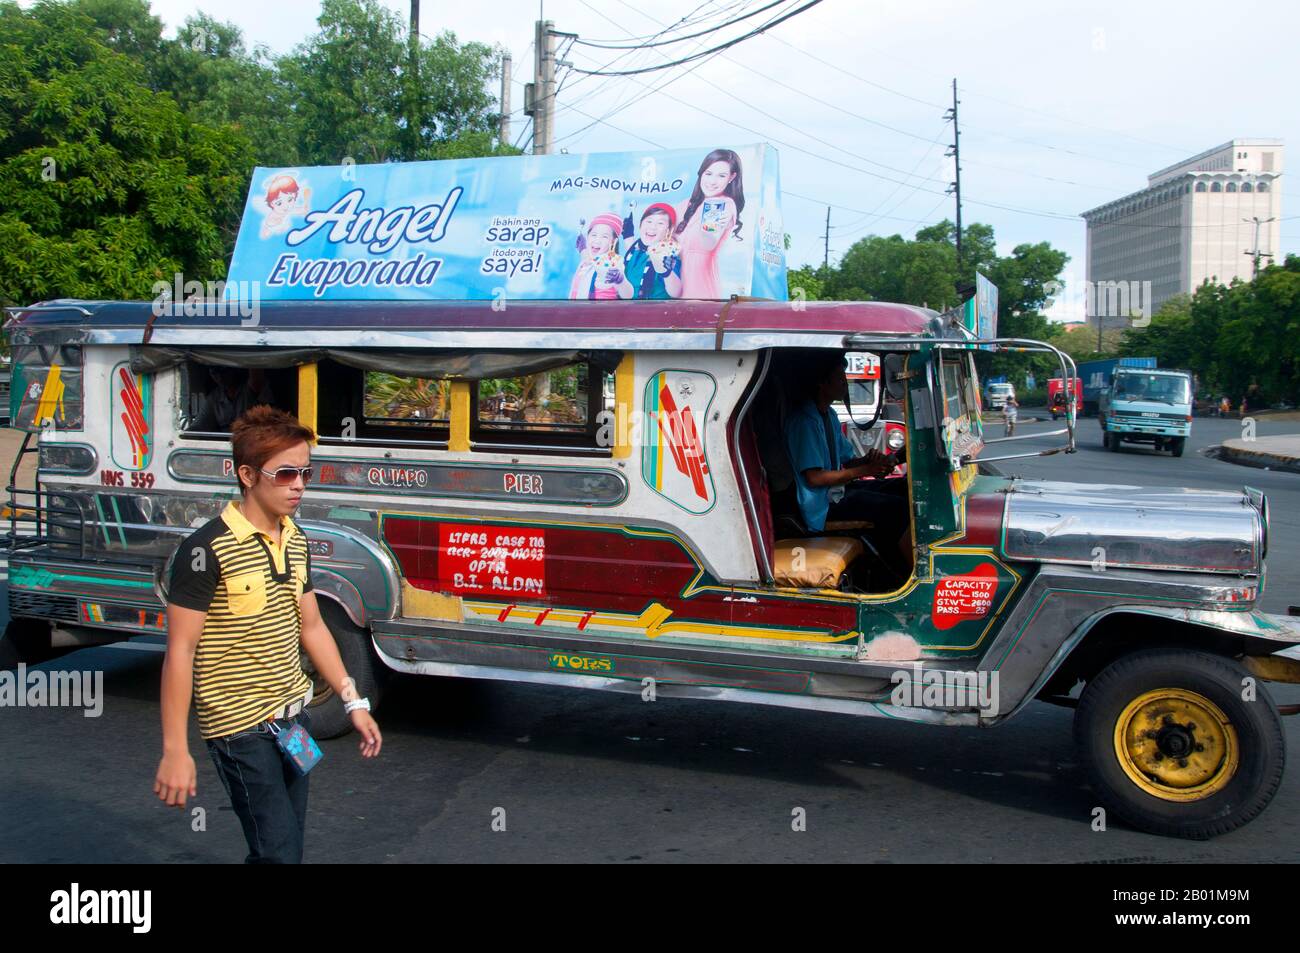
x=27, y=641
x=1240, y=789
x=1176, y=446
x=9, y=655
x=328, y=717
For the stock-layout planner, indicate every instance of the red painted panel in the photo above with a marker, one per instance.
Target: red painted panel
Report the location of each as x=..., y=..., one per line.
x=984, y=519
x=599, y=570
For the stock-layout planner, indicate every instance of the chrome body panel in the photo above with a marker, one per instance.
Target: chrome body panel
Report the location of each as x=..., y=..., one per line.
x=1134, y=527
x=452, y=651
x=1062, y=604
x=353, y=569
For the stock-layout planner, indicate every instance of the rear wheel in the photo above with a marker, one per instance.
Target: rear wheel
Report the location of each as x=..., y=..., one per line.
x=1173, y=748
x=27, y=641
x=328, y=717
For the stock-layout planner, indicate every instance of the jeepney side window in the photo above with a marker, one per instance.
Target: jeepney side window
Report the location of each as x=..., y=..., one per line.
x=560, y=407
x=212, y=396
x=953, y=404
x=47, y=387
x=390, y=400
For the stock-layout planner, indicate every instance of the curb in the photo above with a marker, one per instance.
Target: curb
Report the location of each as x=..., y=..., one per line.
x=1259, y=459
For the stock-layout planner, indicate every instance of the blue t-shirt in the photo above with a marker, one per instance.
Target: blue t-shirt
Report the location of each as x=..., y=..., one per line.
x=812, y=449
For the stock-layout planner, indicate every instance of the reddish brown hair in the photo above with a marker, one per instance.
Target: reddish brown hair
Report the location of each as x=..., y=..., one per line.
x=260, y=433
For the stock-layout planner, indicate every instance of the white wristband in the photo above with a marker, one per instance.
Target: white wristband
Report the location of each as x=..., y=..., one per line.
x=360, y=703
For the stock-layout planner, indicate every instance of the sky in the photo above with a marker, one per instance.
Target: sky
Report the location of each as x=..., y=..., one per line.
x=1063, y=105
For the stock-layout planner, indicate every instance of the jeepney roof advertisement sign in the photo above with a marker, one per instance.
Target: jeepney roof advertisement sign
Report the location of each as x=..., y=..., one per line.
x=686, y=223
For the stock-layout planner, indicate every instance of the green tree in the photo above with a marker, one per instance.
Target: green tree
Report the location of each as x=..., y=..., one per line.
x=806, y=281
x=1239, y=339
x=217, y=80
x=896, y=269
x=352, y=91
x=105, y=185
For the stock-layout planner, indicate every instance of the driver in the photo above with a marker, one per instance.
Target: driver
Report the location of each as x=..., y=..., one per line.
x=825, y=468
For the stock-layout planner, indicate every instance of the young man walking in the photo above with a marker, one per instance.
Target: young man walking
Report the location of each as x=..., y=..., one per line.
x=239, y=608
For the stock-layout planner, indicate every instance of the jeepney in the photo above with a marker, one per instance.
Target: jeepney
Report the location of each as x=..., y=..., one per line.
x=488, y=516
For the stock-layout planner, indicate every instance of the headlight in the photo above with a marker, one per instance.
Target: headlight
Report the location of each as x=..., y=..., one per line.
x=894, y=440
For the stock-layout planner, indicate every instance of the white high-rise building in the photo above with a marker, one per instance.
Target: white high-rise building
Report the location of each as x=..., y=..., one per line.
x=1195, y=220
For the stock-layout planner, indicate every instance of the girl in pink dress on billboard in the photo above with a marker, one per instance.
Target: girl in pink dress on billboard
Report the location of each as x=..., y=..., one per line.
x=600, y=271
x=705, y=221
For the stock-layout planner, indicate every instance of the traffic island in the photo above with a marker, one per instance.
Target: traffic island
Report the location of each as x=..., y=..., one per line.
x=1269, y=453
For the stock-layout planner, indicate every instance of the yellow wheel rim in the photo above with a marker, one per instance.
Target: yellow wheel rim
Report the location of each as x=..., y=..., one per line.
x=1176, y=745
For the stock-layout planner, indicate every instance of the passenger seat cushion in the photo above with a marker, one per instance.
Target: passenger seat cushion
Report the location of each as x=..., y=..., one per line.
x=815, y=562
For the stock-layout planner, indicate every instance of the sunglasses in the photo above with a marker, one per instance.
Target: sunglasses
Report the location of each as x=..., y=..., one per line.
x=284, y=476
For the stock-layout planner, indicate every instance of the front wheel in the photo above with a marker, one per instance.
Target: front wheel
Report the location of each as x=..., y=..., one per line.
x=1176, y=446
x=329, y=719
x=1172, y=746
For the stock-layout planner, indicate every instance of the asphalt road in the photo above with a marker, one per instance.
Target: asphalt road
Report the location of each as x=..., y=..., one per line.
x=589, y=776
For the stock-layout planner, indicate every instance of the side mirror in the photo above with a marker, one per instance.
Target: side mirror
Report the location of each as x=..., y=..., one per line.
x=893, y=366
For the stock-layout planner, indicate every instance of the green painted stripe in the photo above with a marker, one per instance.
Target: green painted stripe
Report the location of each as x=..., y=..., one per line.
x=38, y=578
x=121, y=532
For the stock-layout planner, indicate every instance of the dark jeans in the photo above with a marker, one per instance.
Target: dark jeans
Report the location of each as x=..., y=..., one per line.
x=266, y=792
x=881, y=502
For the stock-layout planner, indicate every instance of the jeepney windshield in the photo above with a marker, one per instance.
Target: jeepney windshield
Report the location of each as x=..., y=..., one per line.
x=1166, y=388
x=862, y=393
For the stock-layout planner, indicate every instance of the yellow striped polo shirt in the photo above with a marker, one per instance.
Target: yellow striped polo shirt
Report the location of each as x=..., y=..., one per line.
x=247, y=663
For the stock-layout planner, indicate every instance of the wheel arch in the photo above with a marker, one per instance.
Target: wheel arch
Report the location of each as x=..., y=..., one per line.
x=1108, y=635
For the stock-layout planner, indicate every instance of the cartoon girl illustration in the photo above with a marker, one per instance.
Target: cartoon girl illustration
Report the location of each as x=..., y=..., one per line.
x=600, y=272
x=283, y=201
x=705, y=221
x=652, y=265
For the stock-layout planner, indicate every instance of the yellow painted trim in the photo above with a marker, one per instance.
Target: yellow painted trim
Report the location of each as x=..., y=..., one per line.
x=651, y=623
x=307, y=384
x=460, y=413
x=51, y=402
x=624, y=394
x=423, y=604
x=1270, y=668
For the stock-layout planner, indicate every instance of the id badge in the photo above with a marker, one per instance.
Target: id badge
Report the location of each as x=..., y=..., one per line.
x=298, y=747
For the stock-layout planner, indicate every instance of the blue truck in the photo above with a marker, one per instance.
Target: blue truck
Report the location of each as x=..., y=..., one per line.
x=1096, y=377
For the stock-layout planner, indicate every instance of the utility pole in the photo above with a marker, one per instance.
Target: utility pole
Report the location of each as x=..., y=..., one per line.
x=826, y=256
x=413, y=81
x=506, y=65
x=1255, y=253
x=954, y=187
x=543, y=96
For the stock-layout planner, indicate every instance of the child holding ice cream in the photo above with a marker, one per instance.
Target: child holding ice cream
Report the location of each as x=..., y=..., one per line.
x=600, y=272
x=652, y=264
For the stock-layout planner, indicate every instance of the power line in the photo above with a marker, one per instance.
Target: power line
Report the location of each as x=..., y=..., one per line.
x=821, y=203
x=689, y=36
x=969, y=126
x=665, y=28
x=763, y=112
x=717, y=49
x=689, y=19
x=1057, y=216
